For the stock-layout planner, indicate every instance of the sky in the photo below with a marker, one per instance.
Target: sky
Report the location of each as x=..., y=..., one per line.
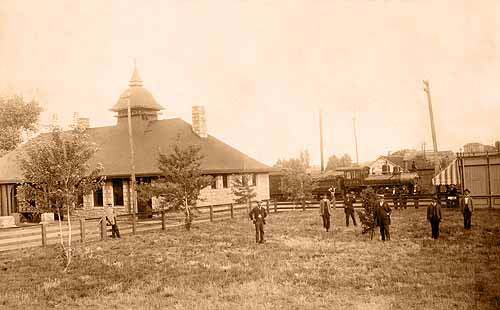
x=263, y=69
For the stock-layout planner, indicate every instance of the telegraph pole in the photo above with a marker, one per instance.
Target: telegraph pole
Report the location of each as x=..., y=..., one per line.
x=321, y=139
x=132, y=158
x=355, y=139
x=433, y=128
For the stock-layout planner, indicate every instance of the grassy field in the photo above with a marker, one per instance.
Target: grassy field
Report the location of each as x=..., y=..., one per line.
x=219, y=266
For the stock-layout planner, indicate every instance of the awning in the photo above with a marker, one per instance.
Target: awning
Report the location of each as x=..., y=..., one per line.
x=448, y=175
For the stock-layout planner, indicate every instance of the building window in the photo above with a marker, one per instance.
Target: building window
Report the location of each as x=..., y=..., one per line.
x=118, y=192
x=224, y=181
x=254, y=179
x=98, y=197
x=79, y=200
x=214, y=182
x=244, y=180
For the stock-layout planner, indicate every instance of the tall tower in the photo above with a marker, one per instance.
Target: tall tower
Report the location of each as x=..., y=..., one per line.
x=143, y=105
x=321, y=140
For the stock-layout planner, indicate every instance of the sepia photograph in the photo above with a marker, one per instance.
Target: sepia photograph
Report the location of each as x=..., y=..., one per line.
x=250, y=154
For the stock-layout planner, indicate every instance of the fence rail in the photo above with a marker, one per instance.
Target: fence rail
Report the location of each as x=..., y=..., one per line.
x=90, y=230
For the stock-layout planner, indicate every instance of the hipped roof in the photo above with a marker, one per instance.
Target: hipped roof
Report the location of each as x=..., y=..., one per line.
x=158, y=136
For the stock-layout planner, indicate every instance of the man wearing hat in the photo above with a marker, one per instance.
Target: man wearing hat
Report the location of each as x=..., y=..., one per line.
x=434, y=215
x=325, y=211
x=111, y=220
x=349, y=208
x=332, y=193
x=467, y=207
x=383, y=217
x=258, y=216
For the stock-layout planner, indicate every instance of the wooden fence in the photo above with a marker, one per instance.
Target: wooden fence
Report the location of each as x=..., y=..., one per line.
x=91, y=229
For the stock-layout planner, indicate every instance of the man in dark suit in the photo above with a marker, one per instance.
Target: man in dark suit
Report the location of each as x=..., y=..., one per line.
x=434, y=216
x=325, y=212
x=467, y=207
x=383, y=218
x=349, y=208
x=258, y=216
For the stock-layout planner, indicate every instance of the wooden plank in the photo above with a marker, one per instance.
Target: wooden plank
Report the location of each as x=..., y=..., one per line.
x=82, y=230
x=44, y=235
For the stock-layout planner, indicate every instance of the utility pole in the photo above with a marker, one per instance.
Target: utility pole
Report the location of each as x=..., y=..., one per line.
x=132, y=158
x=355, y=139
x=321, y=139
x=433, y=128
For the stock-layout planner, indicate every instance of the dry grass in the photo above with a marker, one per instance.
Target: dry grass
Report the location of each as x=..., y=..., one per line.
x=218, y=266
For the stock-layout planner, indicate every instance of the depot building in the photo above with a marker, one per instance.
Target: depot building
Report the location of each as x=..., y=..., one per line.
x=150, y=135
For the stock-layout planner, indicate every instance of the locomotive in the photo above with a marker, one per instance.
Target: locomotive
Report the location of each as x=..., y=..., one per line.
x=355, y=179
x=351, y=179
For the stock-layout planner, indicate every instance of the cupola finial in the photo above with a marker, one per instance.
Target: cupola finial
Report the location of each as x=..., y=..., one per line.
x=136, y=79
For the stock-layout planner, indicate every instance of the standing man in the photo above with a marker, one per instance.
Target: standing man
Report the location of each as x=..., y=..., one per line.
x=325, y=212
x=403, y=197
x=395, y=197
x=467, y=207
x=434, y=216
x=349, y=209
x=111, y=220
x=383, y=218
x=258, y=216
x=333, y=200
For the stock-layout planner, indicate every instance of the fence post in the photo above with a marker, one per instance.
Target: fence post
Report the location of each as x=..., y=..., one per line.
x=232, y=210
x=82, y=230
x=415, y=202
x=162, y=219
x=211, y=213
x=275, y=206
x=44, y=234
x=303, y=205
x=103, y=228
x=134, y=223
x=267, y=206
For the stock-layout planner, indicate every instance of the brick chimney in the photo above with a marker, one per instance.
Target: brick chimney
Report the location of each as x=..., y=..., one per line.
x=199, y=121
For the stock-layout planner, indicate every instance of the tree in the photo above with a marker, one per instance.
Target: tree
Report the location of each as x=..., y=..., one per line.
x=180, y=182
x=305, y=158
x=332, y=163
x=367, y=215
x=16, y=118
x=56, y=172
x=335, y=162
x=345, y=161
x=297, y=183
x=242, y=190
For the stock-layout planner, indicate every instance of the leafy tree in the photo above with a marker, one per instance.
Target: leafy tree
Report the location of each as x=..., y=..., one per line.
x=367, y=215
x=305, y=158
x=180, y=182
x=242, y=190
x=332, y=163
x=297, y=183
x=56, y=172
x=16, y=118
x=335, y=162
x=345, y=161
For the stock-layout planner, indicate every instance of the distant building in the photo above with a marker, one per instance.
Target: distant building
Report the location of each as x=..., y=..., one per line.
x=221, y=161
x=475, y=147
x=387, y=165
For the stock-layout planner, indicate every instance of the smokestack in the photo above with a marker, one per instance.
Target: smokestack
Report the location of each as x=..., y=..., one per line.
x=199, y=121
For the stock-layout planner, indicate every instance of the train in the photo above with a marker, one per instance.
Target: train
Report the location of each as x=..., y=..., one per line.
x=351, y=179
